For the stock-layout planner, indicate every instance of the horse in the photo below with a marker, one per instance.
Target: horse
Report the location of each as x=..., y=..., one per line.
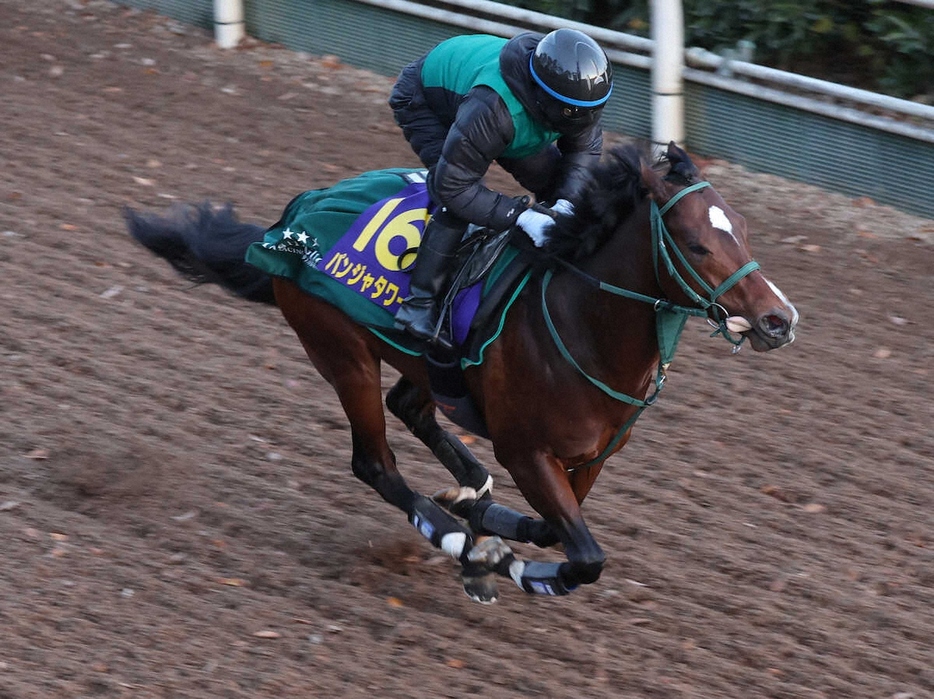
x=582, y=350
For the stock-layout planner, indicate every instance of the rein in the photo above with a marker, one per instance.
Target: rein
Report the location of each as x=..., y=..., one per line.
x=670, y=318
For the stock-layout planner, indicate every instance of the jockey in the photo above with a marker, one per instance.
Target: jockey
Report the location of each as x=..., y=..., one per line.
x=532, y=104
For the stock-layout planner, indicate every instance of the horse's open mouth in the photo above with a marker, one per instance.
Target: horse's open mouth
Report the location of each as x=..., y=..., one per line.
x=770, y=332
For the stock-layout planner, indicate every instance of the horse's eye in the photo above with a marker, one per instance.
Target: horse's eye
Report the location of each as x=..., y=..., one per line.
x=698, y=249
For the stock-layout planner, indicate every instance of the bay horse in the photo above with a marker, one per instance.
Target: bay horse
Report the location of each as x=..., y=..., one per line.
x=581, y=352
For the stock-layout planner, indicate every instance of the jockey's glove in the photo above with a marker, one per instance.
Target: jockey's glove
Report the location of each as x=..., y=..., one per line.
x=564, y=207
x=536, y=224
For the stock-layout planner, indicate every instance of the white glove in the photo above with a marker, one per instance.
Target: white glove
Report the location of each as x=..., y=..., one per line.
x=536, y=225
x=563, y=206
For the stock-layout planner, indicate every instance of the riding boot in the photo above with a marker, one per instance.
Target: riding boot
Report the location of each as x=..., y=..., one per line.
x=420, y=311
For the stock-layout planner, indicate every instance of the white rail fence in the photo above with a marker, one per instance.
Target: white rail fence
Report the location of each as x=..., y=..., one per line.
x=854, y=141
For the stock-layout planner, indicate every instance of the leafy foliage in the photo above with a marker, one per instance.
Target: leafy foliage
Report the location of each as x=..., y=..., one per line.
x=879, y=45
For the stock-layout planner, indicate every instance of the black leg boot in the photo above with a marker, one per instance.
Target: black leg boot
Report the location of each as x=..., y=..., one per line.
x=419, y=312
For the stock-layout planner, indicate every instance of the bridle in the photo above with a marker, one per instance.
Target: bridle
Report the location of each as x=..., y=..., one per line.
x=662, y=241
x=670, y=317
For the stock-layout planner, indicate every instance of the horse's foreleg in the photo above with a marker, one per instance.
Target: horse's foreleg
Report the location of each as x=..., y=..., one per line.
x=489, y=518
x=417, y=411
x=584, y=565
x=554, y=494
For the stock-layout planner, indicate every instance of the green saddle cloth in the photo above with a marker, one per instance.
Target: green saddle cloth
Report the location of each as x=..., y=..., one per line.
x=351, y=245
x=310, y=243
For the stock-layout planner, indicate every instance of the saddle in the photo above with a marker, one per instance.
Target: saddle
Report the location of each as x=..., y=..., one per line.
x=488, y=271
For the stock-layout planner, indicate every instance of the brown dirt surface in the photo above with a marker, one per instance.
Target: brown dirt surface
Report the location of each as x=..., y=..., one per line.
x=177, y=512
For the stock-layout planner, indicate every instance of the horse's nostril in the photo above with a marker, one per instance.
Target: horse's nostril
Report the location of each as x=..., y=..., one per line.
x=774, y=325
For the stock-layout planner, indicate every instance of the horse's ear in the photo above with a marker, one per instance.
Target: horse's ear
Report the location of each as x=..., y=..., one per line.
x=681, y=165
x=656, y=186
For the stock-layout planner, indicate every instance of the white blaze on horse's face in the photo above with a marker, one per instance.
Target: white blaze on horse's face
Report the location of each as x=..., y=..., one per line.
x=784, y=299
x=718, y=219
x=756, y=308
x=782, y=314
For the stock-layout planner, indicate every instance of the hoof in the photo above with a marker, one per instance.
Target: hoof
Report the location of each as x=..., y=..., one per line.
x=480, y=585
x=489, y=552
x=457, y=501
x=450, y=497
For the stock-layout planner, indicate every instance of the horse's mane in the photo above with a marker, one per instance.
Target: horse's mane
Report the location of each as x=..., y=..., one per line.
x=613, y=191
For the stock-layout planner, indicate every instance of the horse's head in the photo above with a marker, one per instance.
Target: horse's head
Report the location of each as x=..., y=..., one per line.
x=703, y=255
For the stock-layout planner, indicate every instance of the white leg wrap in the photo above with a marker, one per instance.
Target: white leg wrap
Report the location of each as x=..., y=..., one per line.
x=453, y=544
x=516, y=569
x=487, y=487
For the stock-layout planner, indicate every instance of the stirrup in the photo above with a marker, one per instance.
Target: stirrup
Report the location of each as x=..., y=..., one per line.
x=443, y=335
x=437, y=337
x=442, y=340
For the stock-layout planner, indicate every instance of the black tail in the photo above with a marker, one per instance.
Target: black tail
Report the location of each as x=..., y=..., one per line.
x=206, y=245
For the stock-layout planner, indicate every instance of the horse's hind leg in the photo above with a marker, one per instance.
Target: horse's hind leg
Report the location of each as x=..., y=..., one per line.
x=417, y=411
x=347, y=357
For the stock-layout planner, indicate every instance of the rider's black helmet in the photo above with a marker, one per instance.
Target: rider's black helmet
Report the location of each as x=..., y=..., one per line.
x=572, y=69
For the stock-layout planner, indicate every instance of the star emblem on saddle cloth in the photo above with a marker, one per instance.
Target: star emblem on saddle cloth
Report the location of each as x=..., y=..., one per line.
x=289, y=234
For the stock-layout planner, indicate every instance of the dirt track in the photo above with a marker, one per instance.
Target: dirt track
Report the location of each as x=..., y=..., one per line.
x=177, y=513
